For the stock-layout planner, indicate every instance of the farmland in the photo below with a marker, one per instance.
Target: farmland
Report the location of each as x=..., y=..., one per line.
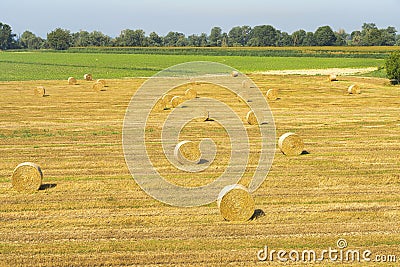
x=90, y=212
x=16, y=66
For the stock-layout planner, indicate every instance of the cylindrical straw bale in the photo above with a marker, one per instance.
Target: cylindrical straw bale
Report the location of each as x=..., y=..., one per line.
x=291, y=144
x=332, y=78
x=251, y=118
x=27, y=177
x=187, y=151
x=167, y=100
x=72, y=81
x=176, y=101
x=97, y=86
x=234, y=73
x=272, y=94
x=101, y=81
x=88, y=77
x=235, y=203
x=39, y=91
x=354, y=89
x=190, y=93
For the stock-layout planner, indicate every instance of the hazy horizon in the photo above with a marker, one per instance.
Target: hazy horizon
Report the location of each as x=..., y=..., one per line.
x=111, y=17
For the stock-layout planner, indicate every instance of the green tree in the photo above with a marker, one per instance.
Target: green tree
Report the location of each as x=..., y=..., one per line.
x=7, y=40
x=341, y=37
x=264, y=35
x=371, y=35
x=59, y=39
x=324, y=36
x=284, y=39
x=389, y=36
x=80, y=39
x=216, y=36
x=239, y=36
x=97, y=38
x=154, y=39
x=203, y=39
x=309, y=39
x=30, y=40
x=129, y=37
x=392, y=65
x=356, y=38
x=182, y=41
x=298, y=37
x=173, y=38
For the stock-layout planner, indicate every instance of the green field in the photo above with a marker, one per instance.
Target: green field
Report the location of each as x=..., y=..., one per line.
x=17, y=66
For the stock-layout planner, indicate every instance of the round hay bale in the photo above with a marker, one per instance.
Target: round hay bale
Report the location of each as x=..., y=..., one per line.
x=97, y=86
x=234, y=73
x=291, y=144
x=187, y=151
x=159, y=106
x=176, y=101
x=167, y=100
x=88, y=77
x=190, y=93
x=332, y=78
x=27, y=177
x=101, y=81
x=272, y=94
x=235, y=203
x=251, y=118
x=39, y=91
x=245, y=84
x=72, y=81
x=354, y=89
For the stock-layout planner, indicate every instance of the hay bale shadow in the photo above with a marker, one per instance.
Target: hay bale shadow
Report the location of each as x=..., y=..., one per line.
x=47, y=186
x=305, y=152
x=258, y=213
x=203, y=161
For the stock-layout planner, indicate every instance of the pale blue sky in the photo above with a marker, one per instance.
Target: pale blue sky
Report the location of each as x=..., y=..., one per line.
x=112, y=16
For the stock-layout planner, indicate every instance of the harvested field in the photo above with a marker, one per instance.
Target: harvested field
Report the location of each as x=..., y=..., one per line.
x=91, y=212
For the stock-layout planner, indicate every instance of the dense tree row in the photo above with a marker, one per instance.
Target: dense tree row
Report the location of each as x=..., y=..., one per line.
x=262, y=35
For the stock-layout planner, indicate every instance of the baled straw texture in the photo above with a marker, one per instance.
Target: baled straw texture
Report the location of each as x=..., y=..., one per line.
x=167, y=100
x=39, y=91
x=272, y=94
x=88, y=77
x=72, y=81
x=291, y=144
x=27, y=177
x=332, y=78
x=234, y=73
x=354, y=89
x=251, y=118
x=176, y=101
x=190, y=93
x=97, y=86
x=101, y=81
x=187, y=151
x=235, y=203
x=159, y=106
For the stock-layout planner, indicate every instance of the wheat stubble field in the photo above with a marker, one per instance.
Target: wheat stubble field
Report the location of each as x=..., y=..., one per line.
x=90, y=211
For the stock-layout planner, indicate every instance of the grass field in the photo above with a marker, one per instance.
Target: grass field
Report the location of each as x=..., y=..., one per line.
x=90, y=212
x=16, y=66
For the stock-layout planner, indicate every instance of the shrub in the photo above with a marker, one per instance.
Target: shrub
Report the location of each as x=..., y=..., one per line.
x=392, y=65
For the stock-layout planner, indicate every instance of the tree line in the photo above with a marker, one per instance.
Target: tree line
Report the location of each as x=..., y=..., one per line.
x=239, y=36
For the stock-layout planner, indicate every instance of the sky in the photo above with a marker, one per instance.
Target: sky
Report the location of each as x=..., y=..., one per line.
x=194, y=17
